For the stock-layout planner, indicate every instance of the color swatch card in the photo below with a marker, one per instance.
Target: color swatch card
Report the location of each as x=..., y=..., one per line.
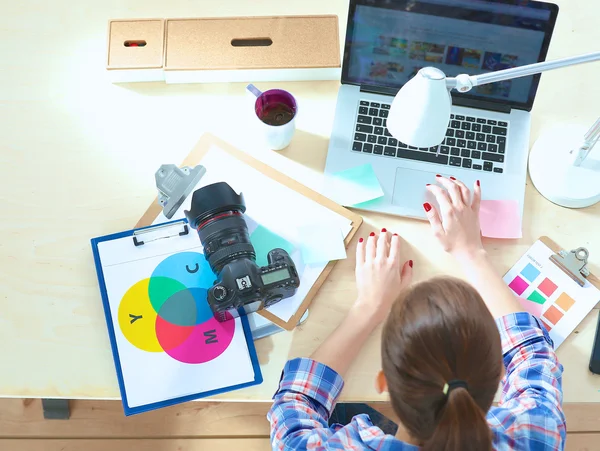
x=547, y=292
x=167, y=345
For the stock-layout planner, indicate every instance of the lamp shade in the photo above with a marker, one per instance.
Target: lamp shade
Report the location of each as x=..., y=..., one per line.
x=420, y=113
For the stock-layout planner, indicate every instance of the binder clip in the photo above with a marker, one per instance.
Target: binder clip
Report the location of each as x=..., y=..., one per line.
x=573, y=264
x=160, y=232
x=175, y=184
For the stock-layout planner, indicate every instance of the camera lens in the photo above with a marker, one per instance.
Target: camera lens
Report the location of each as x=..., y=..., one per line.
x=217, y=213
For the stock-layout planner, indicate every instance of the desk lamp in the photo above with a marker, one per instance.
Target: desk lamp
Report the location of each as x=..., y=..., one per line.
x=420, y=114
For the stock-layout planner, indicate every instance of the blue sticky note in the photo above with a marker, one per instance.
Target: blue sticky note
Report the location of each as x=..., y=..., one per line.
x=530, y=272
x=353, y=186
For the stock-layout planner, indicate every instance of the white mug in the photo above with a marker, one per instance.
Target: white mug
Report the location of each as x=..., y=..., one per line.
x=275, y=110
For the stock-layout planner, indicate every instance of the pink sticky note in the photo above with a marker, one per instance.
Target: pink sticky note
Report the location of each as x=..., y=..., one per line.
x=500, y=219
x=532, y=307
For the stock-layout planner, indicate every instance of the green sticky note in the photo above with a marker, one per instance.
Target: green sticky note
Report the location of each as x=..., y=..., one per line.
x=353, y=186
x=537, y=297
x=264, y=240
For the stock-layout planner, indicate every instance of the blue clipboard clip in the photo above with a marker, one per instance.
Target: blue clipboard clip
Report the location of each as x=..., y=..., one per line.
x=160, y=232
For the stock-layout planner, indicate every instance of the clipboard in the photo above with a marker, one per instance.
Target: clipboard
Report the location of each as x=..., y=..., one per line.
x=569, y=266
x=195, y=157
x=142, y=240
x=555, y=286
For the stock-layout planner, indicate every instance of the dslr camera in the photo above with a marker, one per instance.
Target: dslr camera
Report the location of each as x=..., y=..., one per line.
x=242, y=287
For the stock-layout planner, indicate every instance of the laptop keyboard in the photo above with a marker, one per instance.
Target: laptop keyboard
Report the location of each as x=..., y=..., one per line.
x=471, y=142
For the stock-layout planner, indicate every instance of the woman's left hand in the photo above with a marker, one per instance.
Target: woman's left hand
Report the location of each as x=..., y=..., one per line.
x=381, y=274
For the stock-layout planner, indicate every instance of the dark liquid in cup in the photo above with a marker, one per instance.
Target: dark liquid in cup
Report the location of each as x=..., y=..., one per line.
x=277, y=114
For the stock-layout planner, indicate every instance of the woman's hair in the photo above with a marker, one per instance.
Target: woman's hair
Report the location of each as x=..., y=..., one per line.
x=441, y=331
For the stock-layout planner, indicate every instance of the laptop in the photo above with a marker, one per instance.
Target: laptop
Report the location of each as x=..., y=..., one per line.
x=388, y=42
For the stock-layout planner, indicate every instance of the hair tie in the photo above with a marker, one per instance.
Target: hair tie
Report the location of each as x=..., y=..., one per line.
x=449, y=386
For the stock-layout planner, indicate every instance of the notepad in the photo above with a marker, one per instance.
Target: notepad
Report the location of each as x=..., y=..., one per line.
x=500, y=219
x=353, y=186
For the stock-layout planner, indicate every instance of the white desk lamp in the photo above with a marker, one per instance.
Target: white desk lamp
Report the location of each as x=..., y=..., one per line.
x=420, y=114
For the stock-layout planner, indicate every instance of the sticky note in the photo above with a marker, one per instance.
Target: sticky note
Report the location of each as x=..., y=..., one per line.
x=500, y=219
x=532, y=307
x=353, y=186
x=321, y=242
x=518, y=285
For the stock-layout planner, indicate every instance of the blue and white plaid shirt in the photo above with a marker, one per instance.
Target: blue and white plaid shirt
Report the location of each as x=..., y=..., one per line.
x=528, y=417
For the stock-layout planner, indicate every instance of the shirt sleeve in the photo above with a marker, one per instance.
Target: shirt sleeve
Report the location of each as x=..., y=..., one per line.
x=529, y=414
x=307, y=394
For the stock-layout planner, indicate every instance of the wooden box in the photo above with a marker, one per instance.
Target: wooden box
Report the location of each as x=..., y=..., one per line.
x=136, y=50
x=233, y=49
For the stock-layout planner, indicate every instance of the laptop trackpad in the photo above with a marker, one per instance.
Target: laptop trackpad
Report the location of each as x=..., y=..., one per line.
x=410, y=191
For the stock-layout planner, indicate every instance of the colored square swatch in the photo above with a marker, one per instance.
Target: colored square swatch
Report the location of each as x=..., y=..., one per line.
x=530, y=272
x=548, y=328
x=518, y=285
x=553, y=315
x=565, y=302
x=547, y=287
x=537, y=297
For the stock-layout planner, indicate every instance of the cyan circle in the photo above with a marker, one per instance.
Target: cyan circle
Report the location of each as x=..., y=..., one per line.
x=188, y=268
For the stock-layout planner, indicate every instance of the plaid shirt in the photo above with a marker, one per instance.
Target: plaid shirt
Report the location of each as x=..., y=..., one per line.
x=529, y=415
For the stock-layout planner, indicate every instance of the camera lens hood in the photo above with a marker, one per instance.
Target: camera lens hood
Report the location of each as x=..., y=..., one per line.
x=211, y=200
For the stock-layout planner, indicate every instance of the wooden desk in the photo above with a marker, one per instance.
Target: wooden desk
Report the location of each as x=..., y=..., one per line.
x=78, y=157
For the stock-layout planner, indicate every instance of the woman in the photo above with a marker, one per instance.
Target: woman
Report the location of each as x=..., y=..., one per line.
x=443, y=355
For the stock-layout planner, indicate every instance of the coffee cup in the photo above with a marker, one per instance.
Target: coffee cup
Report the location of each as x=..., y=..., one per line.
x=275, y=112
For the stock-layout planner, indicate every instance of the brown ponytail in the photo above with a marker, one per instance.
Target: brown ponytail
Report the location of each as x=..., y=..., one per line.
x=439, y=331
x=461, y=426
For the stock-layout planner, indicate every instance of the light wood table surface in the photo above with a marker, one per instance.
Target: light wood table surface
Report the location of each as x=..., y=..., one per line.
x=78, y=158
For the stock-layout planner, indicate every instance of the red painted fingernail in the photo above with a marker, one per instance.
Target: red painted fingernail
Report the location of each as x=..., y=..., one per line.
x=478, y=183
x=452, y=178
x=361, y=240
x=383, y=230
x=438, y=175
x=427, y=207
x=410, y=263
x=372, y=234
x=395, y=234
x=429, y=184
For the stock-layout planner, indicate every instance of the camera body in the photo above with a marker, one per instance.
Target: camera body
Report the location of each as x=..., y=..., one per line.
x=242, y=287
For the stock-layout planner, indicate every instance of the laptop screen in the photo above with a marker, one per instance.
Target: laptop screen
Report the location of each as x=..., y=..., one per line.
x=388, y=42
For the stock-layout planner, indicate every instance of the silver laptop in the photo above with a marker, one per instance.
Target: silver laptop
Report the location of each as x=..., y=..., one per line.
x=387, y=42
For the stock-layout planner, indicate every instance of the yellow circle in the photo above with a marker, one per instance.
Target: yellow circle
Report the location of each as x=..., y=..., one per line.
x=137, y=318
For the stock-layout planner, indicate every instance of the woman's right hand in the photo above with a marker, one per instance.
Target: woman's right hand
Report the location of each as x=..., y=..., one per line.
x=456, y=224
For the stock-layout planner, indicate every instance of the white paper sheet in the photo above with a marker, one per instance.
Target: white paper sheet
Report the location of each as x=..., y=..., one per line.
x=321, y=243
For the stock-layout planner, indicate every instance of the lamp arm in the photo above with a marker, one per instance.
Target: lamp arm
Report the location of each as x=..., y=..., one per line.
x=590, y=139
x=464, y=83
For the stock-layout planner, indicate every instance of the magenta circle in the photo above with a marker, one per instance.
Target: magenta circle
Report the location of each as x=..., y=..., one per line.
x=206, y=342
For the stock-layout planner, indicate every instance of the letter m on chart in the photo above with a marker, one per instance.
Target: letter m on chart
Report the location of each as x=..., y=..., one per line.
x=211, y=337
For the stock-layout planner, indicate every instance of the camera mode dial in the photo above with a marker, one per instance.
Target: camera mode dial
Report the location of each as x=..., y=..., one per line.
x=220, y=293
